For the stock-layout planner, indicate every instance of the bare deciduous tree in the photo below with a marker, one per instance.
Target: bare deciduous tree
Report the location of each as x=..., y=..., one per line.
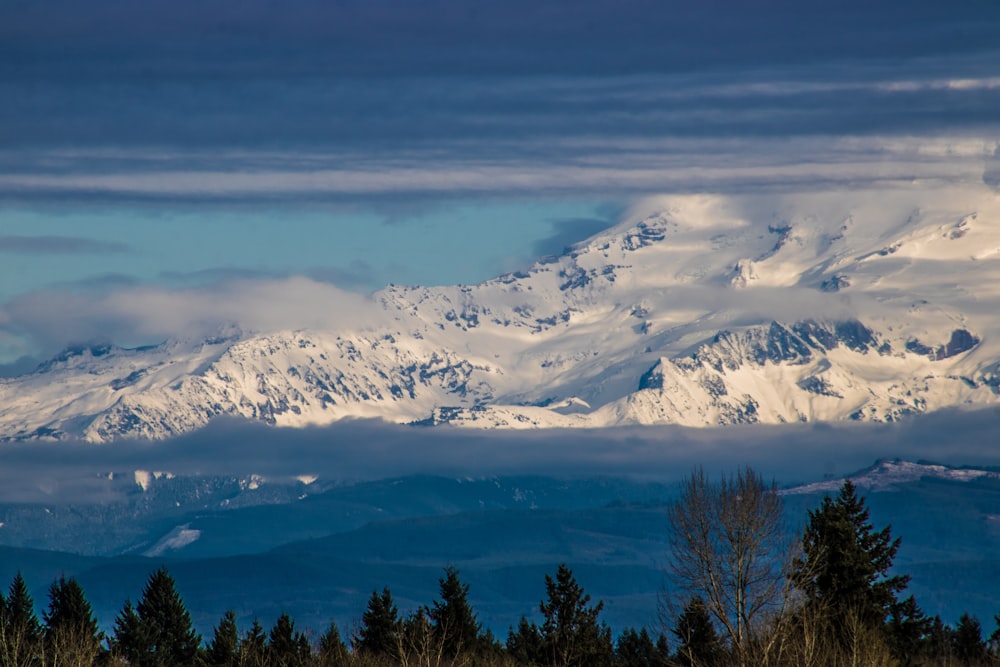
x=729, y=546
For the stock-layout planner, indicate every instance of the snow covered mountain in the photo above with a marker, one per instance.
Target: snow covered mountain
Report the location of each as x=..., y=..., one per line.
x=698, y=310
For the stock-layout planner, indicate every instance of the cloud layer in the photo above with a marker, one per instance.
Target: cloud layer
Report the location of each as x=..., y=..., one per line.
x=40, y=471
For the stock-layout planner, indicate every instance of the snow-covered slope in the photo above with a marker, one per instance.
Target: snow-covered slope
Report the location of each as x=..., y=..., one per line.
x=697, y=310
x=888, y=475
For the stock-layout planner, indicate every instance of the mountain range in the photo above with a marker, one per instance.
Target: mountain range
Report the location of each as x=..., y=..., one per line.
x=316, y=548
x=697, y=310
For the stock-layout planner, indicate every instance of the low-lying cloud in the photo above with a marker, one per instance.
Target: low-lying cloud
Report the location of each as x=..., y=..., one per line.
x=354, y=450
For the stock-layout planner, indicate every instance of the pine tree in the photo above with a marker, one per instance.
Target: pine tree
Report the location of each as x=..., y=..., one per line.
x=844, y=570
x=285, y=646
x=455, y=624
x=224, y=649
x=380, y=626
x=571, y=635
x=20, y=631
x=71, y=633
x=699, y=642
x=170, y=638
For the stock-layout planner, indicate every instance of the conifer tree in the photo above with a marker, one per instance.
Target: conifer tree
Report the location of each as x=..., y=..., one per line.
x=253, y=647
x=71, y=633
x=224, y=649
x=128, y=642
x=158, y=631
x=380, y=626
x=907, y=628
x=286, y=647
x=332, y=651
x=844, y=569
x=524, y=645
x=455, y=624
x=700, y=644
x=637, y=649
x=571, y=635
x=20, y=631
x=967, y=641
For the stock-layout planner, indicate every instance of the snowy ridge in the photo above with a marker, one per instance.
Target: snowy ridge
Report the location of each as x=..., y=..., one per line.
x=890, y=474
x=699, y=310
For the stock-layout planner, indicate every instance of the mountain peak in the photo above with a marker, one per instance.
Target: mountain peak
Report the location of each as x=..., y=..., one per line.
x=700, y=310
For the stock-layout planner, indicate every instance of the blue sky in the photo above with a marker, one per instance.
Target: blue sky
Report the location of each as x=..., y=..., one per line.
x=184, y=145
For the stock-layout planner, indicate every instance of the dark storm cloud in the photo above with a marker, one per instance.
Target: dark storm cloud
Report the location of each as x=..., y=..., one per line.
x=59, y=245
x=368, y=450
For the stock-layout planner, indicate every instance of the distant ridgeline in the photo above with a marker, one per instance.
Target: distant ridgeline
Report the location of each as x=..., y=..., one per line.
x=743, y=592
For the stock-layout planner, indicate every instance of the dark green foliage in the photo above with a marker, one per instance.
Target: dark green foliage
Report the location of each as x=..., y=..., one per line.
x=937, y=643
x=570, y=632
x=455, y=624
x=20, y=631
x=253, y=647
x=128, y=643
x=699, y=642
x=332, y=651
x=636, y=649
x=845, y=566
x=967, y=641
x=286, y=647
x=71, y=633
x=907, y=630
x=224, y=649
x=380, y=626
x=158, y=631
x=524, y=645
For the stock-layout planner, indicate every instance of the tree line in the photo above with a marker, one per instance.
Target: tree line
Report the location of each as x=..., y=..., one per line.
x=745, y=591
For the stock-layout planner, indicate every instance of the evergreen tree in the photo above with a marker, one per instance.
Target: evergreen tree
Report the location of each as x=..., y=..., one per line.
x=524, y=645
x=253, y=647
x=169, y=637
x=286, y=647
x=844, y=570
x=380, y=626
x=455, y=624
x=570, y=633
x=937, y=643
x=967, y=641
x=637, y=649
x=71, y=633
x=699, y=642
x=224, y=649
x=20, y=631
x=907, y=630
x=332, y=651
x=128, y=643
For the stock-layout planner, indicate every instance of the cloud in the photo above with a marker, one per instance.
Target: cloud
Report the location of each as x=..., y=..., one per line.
x=59, y=245
x=147, y=314
x=567, y=231
x=40, y=471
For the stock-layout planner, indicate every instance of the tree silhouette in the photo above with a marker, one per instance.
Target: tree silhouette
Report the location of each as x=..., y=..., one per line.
x=380, y=626
x=455, y=624
x=71, y=632
x=224, y=648
x=20, y=631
